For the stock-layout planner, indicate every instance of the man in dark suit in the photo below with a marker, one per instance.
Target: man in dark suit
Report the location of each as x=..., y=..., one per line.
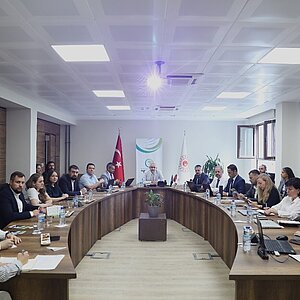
x=69, y=183
x=235, y=182
x=251, y=194
x=12, y=202
x=200, y=178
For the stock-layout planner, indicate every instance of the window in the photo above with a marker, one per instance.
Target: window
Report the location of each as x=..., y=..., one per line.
x=256, y=141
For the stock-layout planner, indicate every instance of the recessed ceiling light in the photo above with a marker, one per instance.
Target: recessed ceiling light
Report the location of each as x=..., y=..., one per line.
x=109, y=93
x=118, y=107
x=77, y=53
x=213, y=108
x=233, y=95
x=289, y=56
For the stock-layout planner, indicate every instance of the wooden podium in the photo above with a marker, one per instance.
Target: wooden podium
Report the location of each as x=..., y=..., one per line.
x=152, y=229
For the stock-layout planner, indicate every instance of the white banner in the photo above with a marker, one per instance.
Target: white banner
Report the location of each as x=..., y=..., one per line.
x=148, y=150
x=183, y=167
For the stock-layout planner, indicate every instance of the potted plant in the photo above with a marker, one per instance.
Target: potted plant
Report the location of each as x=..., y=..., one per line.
x=210, y=164
x=154, y=202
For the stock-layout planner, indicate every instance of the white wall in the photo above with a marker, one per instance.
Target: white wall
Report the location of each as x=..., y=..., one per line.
x=95, y=141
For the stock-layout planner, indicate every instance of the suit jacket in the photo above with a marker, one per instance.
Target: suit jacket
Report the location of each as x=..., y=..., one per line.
x=201, y=179
x=9, y=208
x=250, y=194
x=238, y=185
x=66, y=185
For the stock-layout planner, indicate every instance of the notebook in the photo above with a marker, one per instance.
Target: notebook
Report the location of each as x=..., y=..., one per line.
x=269, y=224
x=129, y=181
x=270, y=246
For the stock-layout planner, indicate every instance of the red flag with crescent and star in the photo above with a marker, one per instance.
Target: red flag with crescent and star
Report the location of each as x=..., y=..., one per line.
x=118, y=161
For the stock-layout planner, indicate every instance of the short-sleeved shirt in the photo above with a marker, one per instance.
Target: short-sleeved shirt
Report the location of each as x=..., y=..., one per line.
x=87, y=179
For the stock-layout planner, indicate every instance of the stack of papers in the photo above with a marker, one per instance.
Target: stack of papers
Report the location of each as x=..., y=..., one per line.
x=40, y=262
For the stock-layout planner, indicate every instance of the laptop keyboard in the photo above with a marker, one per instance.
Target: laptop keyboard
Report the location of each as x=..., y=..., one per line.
x=281, y=247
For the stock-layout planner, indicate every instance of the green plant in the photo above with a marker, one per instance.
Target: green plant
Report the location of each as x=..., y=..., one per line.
x=153, y=199
x=210, y=164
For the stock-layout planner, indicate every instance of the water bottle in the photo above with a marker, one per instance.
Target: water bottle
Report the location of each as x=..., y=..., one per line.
x=110, y=188
x=207, y=194
x=90, y=195
x=123, y=186
x=62, y=216
x=184, y=187
x=75, y=200
x=249, y=213
x=41, y=222
x=218, y=198
x=233, y=208
x=247, y=238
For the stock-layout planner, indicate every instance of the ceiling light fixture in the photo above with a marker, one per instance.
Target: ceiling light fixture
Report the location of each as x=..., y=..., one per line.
x=289, y=56
x=109, y=93
x=81, y=53
x=118, y=107
x=154, y=80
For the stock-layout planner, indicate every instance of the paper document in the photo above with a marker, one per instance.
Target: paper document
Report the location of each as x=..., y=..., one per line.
x=56, y=248
x=40, y=262
x=296, y=257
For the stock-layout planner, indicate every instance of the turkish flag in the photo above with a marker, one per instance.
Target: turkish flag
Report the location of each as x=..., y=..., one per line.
x=118, y=161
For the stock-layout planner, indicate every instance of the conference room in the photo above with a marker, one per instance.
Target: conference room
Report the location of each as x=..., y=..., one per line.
x=221, y=76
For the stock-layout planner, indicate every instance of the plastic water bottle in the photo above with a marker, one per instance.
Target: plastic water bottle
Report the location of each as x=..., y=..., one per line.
x=41, y=222
x=184, y=187
x=247, y=238
x=110, y=188
x=249, y=213
x=218, y=199
x=90, y=195
x=62, y=216
x=75, y=200
x=233, y=208
x=207, y=194
x=123, y=186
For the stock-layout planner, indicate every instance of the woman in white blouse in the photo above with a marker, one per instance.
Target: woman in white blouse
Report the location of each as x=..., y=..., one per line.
x=289, y=206
x=36, y=191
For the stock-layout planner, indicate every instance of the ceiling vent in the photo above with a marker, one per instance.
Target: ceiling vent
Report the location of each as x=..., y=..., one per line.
x=164, y=108
x=183, y=79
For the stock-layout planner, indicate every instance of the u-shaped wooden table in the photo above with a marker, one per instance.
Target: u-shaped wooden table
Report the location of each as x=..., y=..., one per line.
x=254, y=278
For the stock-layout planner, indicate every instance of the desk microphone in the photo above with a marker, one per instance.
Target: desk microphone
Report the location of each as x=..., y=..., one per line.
x=261, y=251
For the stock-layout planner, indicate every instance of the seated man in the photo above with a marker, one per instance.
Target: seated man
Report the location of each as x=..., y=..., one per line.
x=13, y=205
x=219, y=180
x=50, y=166
x=263, y=170
x=109, y=175
x=153, y=174
x=200, y=178
x=69, y=183
x=89, y=179
x=251, y=194
x=235, y=182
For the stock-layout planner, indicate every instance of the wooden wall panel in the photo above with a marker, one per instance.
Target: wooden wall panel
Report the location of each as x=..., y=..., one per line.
x=2, y=145
x=53, y=130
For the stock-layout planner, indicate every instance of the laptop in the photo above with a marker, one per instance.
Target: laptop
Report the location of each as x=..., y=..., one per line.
x=283, y=247
x=129, y=181
x=194, y=187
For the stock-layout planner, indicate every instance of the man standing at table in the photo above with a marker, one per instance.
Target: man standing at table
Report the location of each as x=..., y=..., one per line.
x=12, y=202
x=153, y=174
x=235, y=182
x=69, y=183
x=89, y=180
x=219, y=180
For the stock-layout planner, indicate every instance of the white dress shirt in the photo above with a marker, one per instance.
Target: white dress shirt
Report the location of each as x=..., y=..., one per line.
x=153, y=176
x=223, y=181
x=288, y=208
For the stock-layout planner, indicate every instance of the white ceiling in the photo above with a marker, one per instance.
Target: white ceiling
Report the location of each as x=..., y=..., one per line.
x=224, y=39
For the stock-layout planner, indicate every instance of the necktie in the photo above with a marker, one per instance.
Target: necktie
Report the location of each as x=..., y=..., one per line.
x=218, y=181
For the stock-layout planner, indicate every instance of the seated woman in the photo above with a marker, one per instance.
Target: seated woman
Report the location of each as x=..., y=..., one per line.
x=52, y=187
x=286, y=174
x=267, y=193
x=289, y=206
x=36, y=192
